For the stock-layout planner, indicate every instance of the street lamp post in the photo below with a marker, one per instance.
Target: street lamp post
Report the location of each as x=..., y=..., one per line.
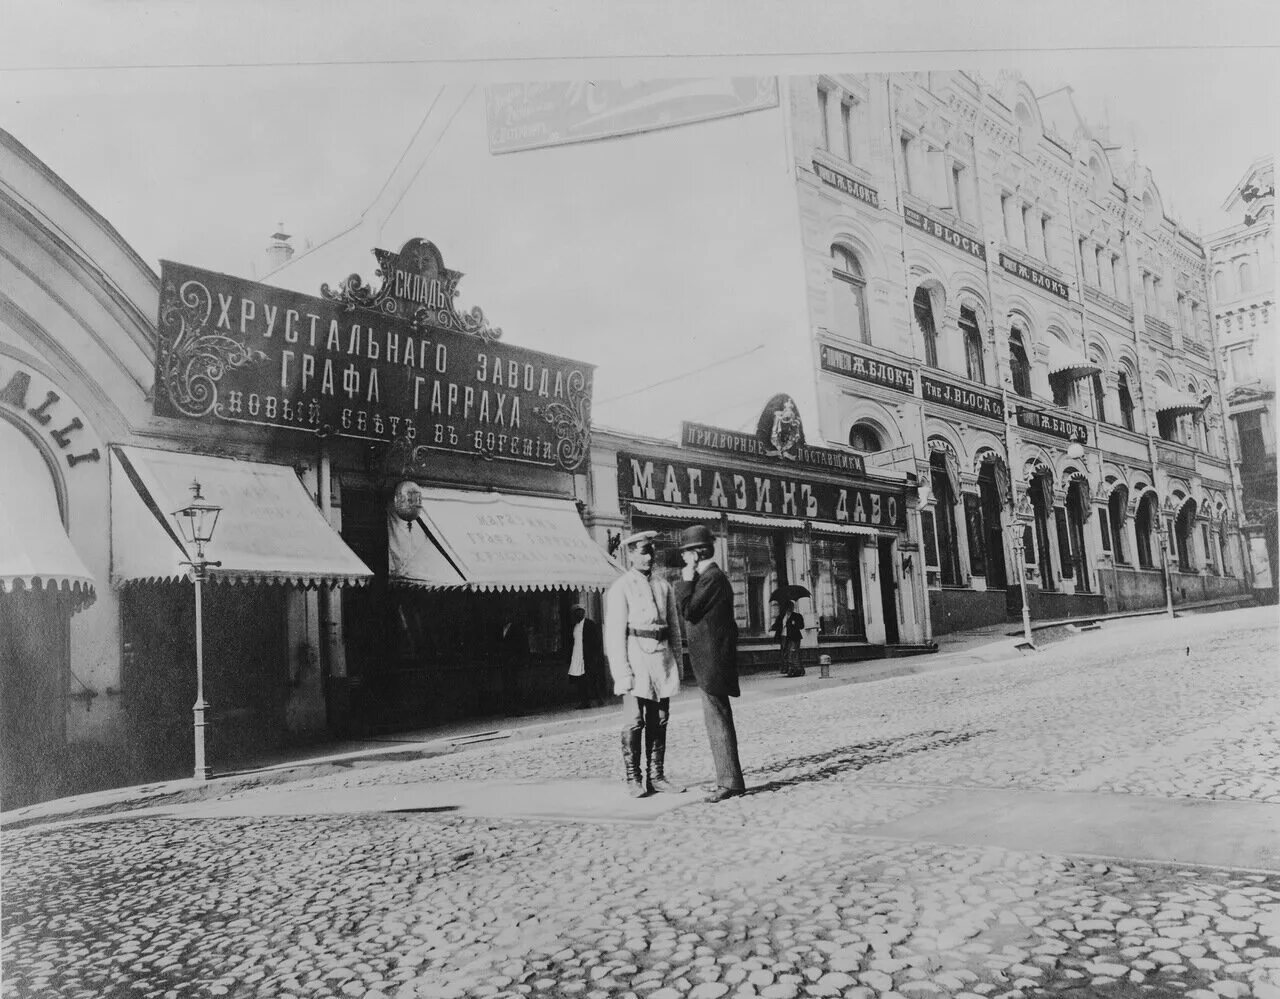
x=1168, y=577
x=1019, y=556
x=196, y=522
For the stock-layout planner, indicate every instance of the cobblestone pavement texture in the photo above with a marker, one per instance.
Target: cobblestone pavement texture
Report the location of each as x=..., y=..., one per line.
x=784, y=892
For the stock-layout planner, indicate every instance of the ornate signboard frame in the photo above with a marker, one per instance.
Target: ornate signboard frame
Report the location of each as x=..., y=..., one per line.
x=401, y=366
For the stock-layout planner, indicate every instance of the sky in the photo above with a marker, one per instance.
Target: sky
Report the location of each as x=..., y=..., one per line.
x=669, y=259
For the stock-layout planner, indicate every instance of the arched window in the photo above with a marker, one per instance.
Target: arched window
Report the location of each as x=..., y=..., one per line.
x=1126, y=401
x=863, y=437
x=941, y=480
x=1098, y=176
x=849, y=295
x=1020, y=367
x=1143, y=524
x=1220, y=285
x=924, y=319
x=1116, y=512
x=1183, y=526
x=1098, y=396
x=1245, y=273
x=972, y=345
x=1026, y=128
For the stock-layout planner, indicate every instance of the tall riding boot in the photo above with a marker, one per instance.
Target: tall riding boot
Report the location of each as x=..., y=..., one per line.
x=631, y=764
x=655, y=757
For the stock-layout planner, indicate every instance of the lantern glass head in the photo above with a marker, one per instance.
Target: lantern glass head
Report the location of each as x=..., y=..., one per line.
x=1074, y=451
x=197, y=520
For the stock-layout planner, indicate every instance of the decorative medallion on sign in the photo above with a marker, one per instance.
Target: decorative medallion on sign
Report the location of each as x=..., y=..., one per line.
x=416, y=286
x=571, y=421
x=192, y=360
x=779, y=428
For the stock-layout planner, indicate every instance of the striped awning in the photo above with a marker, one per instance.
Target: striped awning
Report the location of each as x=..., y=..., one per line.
x=270, y=530
x=1067, y=362
x=700, y=516
x=490, y=541
x=35, y=552
x=1173, y=402
x=830, y=527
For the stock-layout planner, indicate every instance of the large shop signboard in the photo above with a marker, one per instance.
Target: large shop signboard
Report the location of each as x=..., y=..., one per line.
x=401, y=365
x=707, y=486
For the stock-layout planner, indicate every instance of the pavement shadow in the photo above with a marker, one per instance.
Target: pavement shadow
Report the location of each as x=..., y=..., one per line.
x=844, y=759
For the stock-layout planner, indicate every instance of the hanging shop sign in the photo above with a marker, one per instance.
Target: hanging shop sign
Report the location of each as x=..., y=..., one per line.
x=867, y=369
x=937, y=230
x=1056, y=426
x=708, y=487
x=968, y=400
x=779, y=437
x=28, y=396
x=847, y=185
x=1032, y=276
x=400, y=366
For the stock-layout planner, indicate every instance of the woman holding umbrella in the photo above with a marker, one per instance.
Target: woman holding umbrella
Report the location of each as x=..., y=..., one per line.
x=788, y=628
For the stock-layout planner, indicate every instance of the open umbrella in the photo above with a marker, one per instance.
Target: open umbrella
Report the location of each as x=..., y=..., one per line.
x=791, y=592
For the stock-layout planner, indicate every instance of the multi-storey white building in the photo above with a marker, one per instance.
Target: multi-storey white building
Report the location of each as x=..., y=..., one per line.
x=991, y=284
x=1242, y=263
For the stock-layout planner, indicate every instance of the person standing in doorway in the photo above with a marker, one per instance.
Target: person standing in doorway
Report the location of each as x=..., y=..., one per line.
x=586, y=658
x=705, y=597
x=641, y=625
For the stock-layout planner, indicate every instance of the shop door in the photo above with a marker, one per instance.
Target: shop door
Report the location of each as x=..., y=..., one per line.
x=34, y=667
x=997, y=577
x=246, y=672
x=888, y=592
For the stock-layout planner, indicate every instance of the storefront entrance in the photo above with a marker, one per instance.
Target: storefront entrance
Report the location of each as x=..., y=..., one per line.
x=888, y=591
x=247, y=674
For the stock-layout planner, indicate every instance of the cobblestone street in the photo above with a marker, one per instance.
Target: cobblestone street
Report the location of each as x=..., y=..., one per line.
x=902, y=838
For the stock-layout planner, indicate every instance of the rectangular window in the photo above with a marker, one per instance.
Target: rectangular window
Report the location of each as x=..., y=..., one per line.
x=1209, y=555
x=1064, y=541
x=957, y=191
x=1046, y=240
x=1253, y=442
x=973, y=525
x=1104, y=530
x=1240, y=360
x=930, y=539
x=908, y=181
x=846, y=124
x=1006, y=213
x=823, y=98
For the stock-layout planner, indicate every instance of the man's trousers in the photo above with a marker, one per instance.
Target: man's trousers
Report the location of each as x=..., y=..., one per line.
x=717, y=712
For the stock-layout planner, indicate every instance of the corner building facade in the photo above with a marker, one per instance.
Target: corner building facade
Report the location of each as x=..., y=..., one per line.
x=1000, y=304
x=1243, y=262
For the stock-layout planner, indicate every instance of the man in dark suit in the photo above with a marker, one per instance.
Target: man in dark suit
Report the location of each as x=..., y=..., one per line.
x=705, y=598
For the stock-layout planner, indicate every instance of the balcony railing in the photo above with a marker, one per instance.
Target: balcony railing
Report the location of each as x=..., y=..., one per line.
x=1176, y=455
x=1106, y=301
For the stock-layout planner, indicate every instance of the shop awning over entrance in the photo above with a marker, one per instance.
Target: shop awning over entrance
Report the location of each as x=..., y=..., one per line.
x=269, y=531
x=491, y=541
x=35, y=552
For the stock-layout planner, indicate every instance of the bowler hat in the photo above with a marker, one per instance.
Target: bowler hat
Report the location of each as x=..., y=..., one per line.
x=697, y=536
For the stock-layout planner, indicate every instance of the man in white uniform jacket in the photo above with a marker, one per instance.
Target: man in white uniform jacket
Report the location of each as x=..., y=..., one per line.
x=641, y=632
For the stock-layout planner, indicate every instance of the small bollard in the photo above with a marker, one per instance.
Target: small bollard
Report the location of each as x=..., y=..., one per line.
x=824, y=667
